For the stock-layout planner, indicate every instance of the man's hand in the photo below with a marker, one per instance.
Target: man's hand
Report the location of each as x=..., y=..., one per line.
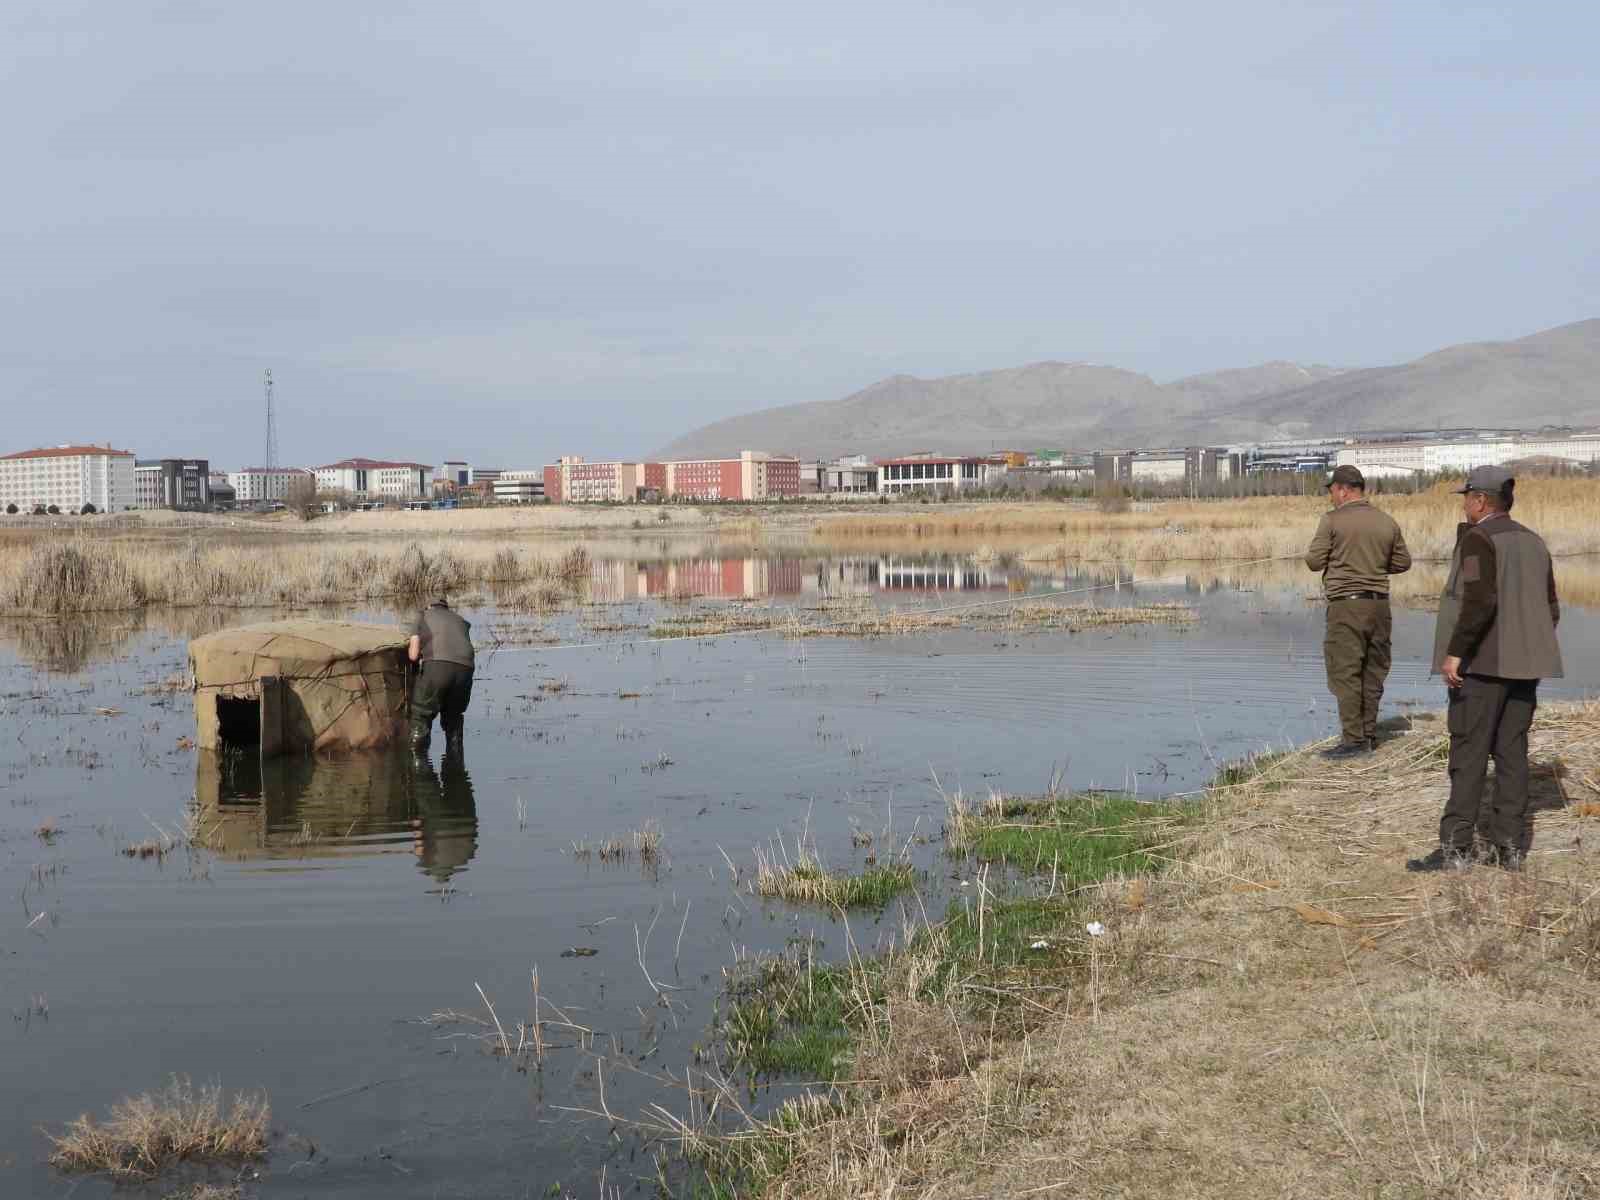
x=1451, y=668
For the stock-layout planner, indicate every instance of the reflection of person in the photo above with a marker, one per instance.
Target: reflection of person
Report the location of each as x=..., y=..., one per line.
x=1356, y=548
x=441, y=645
x=445, y=822
x=1495, y=639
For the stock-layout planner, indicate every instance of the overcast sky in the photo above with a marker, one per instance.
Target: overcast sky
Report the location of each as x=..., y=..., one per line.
x=510, y=230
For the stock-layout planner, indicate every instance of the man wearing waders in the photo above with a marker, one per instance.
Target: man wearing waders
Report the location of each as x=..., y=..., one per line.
x=441, y=646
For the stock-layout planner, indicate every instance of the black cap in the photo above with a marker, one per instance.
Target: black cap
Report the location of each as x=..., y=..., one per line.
x=1349, y=476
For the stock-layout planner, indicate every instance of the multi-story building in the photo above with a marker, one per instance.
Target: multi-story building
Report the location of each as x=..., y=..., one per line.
x=518, y=487
x=1190, y=466
x=753, y=476
x=1457, y=455
x=222, y=493
x=263, y=485
x=854, y=475
x=931, y=473
x=181, y=483
x=572, y=480
x=69, y=477
x=376, y=479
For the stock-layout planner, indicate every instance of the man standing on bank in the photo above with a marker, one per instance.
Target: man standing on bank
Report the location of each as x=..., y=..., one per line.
x=1496, y=638
x=441, y=645
x=1356, y=548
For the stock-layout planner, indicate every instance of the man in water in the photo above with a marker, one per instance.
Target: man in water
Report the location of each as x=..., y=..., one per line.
x=1356, y=548
x=441, y=646
x=1495, y=639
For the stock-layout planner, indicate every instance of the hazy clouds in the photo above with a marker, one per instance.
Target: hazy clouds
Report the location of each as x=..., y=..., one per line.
x=505, y=230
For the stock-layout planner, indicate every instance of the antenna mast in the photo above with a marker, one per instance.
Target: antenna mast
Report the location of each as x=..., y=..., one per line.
x=272, y=426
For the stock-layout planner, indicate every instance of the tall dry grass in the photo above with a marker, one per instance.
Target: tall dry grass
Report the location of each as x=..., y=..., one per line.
x=83, y=574
x=146, y=1134
x=1565, y=511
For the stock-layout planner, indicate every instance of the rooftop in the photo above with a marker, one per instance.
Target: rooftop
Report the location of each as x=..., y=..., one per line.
x=68, y=452
x=372, y=464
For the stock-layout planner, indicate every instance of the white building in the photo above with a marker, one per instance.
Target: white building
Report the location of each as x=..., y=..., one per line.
x=929, y=473
x=1458, y=455
x=375, y=479
x=258, y=485
x=527, y=488
x=68, y=477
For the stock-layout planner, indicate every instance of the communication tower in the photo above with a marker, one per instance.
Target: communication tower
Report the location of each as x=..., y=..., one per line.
x=272, y=426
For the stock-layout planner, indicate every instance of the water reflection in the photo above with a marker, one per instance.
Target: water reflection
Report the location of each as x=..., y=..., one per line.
x=308, y=808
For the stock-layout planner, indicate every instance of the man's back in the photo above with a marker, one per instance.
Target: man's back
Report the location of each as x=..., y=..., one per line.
x=1357, y=547
x=444, y=636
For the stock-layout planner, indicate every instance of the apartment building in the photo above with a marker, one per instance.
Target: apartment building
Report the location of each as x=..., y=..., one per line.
x=572, y=480
x=752, y=476
x=376, y=479
x=69, y=477
x=177, y=483
x=263, y=485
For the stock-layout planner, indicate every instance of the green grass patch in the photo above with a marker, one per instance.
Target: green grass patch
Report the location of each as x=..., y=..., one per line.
x=790, y=1016
x=1078, y=838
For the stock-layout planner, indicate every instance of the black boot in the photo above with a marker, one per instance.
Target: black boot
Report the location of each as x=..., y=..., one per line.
x=1347, y=750
x=1503, y=857
x=1443, y=858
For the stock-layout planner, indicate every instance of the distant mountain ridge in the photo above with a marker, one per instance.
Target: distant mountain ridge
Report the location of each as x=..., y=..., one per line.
x=1548, y=378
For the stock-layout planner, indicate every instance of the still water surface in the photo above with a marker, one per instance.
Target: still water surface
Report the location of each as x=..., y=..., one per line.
x=348, y=902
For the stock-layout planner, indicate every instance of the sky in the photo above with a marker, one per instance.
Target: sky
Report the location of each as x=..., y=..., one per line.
x=507, y=231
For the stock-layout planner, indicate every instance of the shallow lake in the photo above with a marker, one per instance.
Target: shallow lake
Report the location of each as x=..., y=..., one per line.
x=330, y=947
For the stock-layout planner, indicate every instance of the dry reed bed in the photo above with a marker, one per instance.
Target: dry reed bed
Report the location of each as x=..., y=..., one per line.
x=1281, y=1010
x=1565, y=511
x=72, y=575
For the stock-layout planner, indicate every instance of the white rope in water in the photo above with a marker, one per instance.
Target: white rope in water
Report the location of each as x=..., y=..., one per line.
x=1020, y=598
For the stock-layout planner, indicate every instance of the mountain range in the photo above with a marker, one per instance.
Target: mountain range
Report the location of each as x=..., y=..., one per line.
x=1548, y=378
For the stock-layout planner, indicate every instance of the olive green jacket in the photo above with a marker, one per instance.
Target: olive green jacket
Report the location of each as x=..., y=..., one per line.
x=1357, y=547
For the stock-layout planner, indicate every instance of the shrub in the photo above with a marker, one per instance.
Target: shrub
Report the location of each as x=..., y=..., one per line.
x=11, y=510
x=88, y=510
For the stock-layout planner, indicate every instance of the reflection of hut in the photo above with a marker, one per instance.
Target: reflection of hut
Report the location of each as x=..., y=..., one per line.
x=299, y=685
x=313, y=807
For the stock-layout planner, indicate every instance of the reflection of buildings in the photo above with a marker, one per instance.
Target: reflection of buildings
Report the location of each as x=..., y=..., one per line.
x=953, y=575
x=308, y=807
x=723, y=578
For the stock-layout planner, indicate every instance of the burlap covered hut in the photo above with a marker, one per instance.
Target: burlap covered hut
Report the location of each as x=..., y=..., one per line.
x=296, y=686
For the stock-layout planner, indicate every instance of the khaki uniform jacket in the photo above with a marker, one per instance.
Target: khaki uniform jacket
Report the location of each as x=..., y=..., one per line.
x=1499, y=610
x=1357, y=547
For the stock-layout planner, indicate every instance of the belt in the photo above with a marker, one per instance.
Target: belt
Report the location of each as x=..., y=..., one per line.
x=1361, y=596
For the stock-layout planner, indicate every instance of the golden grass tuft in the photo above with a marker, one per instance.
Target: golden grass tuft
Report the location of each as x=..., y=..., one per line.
x=148, y=1133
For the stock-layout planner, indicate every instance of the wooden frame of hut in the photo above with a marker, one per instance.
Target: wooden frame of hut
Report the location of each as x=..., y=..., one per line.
x=298, y=686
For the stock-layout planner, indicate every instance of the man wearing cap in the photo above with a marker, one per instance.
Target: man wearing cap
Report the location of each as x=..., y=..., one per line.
x=1495, y=639
x=441, y=646
x=1356, y=548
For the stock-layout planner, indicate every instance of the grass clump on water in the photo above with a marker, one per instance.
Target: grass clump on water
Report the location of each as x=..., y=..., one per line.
x=806, y=881
x=146, y=1134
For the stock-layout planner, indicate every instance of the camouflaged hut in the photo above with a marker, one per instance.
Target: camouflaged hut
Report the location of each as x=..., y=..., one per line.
x=296, y=686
